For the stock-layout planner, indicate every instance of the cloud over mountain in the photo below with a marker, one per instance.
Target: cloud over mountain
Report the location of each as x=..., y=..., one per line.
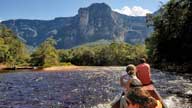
x=134, y=11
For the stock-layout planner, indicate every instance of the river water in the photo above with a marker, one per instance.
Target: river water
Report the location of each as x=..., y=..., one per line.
x=93, y=88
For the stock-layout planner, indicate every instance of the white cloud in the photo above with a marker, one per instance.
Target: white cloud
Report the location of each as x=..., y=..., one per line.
x=134, y=11
x=1, y=20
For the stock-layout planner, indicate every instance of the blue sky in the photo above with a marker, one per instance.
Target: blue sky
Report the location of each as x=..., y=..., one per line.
x=49, y=9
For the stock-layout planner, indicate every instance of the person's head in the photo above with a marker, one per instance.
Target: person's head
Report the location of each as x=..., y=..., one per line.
x=142, y=60
x=131, y=69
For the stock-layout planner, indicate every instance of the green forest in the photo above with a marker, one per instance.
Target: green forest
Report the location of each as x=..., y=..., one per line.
x=168, y=46
x=171, y=42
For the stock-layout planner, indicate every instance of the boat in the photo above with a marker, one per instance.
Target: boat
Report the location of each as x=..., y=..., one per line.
x=153, y=92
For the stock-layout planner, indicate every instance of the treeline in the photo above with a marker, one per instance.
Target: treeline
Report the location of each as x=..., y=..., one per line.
x=13, y=52
x=171, y=42
x=112, y=54
x=98, y=55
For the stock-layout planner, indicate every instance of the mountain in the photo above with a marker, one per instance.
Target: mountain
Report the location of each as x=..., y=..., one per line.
x=93, y=23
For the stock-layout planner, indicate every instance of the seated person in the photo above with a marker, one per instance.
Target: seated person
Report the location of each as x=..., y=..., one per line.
x=134, y=96
x=144, y=72
x=125, y=82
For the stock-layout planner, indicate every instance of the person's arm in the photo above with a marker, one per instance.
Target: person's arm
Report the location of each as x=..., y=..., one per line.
x=128, y=85
x=122, y=83
x=137, y=70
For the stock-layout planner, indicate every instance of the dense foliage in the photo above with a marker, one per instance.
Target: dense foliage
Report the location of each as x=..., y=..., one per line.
x=171, y=41
x=12, y=50
x=112, y=54
x=46, y=54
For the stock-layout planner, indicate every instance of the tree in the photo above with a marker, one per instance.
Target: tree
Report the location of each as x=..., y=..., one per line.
x=65, y=55
x=46, y=54
x=171, y=40
x=12, y=50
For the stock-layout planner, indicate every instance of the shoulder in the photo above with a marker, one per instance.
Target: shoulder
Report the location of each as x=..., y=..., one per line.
x=139, y=65
x=125, y=77
x=146, y=64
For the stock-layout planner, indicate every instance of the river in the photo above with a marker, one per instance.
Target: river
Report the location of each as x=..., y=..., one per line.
x=84, y=89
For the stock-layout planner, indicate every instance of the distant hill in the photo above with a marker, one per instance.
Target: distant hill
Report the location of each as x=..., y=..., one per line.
x=93, y=23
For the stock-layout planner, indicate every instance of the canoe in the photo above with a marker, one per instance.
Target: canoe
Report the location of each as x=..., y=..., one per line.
x=153, y=92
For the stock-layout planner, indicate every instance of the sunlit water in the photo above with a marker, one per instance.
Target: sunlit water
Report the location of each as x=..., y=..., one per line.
x=84, y=89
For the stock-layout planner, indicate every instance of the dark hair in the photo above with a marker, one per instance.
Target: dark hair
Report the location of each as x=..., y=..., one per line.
x=142, y=60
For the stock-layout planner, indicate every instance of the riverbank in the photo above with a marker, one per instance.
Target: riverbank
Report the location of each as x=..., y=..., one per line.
x=63, y=68
x=2, y=66
x=7, y=68
x=51, y=68
x=80, y=68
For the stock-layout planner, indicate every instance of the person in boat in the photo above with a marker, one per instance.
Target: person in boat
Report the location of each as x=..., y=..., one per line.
x=134, y=96
x=126, y=81
x=144, y=72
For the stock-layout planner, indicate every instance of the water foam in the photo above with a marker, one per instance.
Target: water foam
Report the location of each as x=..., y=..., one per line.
x=172, y=102
x=107, y=105
x=189, y=92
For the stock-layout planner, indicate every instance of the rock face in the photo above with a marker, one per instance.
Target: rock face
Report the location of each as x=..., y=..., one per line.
x=91, y=24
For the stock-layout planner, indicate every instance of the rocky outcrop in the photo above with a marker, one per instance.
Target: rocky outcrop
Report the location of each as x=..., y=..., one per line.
x=96, y=22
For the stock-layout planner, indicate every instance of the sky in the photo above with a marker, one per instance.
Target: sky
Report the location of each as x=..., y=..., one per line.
x=49, y=9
